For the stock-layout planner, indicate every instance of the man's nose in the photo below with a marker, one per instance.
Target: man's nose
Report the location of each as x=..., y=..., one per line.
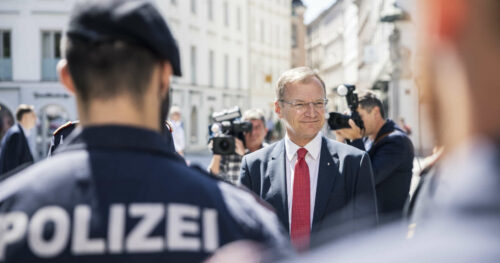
x=310, y=109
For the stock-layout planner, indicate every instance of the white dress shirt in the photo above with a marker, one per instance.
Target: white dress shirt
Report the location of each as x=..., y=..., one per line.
x=312, y=159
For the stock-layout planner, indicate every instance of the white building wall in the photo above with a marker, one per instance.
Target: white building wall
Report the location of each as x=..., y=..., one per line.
x=198, y=100
x=269, y=30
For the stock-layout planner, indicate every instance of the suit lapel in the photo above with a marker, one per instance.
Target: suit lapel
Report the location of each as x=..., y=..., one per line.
x=327, y=173
x=277, y=195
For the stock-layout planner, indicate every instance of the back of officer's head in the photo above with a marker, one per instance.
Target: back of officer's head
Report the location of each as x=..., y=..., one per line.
x=113, y=46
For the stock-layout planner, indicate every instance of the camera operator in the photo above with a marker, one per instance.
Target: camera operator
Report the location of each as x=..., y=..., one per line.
x=390, y=150
x=228, y=166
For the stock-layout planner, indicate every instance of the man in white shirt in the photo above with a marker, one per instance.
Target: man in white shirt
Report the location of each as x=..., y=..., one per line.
x=312, y=182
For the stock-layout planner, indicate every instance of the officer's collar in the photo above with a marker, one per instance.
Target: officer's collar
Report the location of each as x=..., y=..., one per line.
x=117, y=137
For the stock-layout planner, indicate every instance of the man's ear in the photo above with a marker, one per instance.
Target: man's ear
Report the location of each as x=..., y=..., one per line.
x=165, y=75
x=277, y=108
x=64, y=76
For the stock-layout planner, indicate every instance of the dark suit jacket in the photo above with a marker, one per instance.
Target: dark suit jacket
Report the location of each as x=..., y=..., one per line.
x=345, y=191
x=15, y=150
x=392, y=162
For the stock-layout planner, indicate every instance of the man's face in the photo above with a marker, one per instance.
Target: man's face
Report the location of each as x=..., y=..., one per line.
x=302, y=123
x=369, y=120
x=258, y=133
x=30, y=120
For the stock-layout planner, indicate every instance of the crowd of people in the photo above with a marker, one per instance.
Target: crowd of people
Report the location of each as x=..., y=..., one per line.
x=116, y=187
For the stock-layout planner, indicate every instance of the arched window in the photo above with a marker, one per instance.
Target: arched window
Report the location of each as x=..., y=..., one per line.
x=6, y=120
x=193, y=138
x=50, y=117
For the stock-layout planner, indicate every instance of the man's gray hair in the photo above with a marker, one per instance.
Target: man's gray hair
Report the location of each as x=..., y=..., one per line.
x=300, y=74
x=254, y=114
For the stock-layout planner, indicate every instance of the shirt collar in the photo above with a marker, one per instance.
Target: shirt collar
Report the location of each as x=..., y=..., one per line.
x=313, y=147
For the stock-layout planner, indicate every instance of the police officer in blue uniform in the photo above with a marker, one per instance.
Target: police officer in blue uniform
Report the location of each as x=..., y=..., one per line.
x=113, y=192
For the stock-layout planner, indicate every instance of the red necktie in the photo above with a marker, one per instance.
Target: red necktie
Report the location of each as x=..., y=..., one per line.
x=301, y=204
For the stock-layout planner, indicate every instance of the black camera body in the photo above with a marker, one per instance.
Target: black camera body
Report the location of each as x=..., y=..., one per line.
x=340, y=121
x=226, y=123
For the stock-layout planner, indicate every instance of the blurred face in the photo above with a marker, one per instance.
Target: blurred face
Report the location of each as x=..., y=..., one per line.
x=301, y=110
x=29, y=120
x=257, y=135
x=369, y=119
x=441, y=76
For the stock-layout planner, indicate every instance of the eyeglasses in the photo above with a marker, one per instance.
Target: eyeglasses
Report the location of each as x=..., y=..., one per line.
x=302, y=105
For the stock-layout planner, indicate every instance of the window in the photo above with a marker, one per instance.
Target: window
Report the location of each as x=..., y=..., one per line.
x=194, y=125
x=226, y=71
x=226, y=14
x=210, y=10
x=193, y=65
x=193, y=6
x=5, y=56
x=239, y=73
x=211, y=65
x=238, y=18
x=51, y=54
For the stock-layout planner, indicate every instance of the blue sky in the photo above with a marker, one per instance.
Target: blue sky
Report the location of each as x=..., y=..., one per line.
x=314, y=8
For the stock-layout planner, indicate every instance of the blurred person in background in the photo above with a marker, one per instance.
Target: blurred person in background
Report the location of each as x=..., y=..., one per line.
x=228, y=166
x=15, y=150
x=177, y=129
x=391, y=153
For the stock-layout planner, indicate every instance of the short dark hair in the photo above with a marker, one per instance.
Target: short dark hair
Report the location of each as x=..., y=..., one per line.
x=368, y=100
x=104, y=70
x=23, y=109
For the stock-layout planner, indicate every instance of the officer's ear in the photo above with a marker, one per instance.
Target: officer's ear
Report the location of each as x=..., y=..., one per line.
x=64, y=75
x=165, y=75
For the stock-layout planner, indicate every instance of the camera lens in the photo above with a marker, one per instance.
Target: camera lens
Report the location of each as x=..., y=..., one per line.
x=224, y=145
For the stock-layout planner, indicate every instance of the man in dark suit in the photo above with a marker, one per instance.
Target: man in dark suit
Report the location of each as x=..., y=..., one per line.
x=312, y=182
x=391, y=154
x=15, y=150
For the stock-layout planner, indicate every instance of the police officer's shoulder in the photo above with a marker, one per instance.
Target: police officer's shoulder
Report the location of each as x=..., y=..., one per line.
x=49, y=175
x=67, y=127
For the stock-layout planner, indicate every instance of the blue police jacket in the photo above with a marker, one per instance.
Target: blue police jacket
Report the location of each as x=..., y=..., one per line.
x=116, y=194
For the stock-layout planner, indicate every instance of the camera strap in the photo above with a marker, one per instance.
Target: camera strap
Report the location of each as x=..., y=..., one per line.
x=381, y=137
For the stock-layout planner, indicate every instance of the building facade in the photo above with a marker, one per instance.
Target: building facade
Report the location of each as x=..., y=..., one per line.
x=269, y=29
x=232, y=53
x=371, y=44
x=213, y=40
